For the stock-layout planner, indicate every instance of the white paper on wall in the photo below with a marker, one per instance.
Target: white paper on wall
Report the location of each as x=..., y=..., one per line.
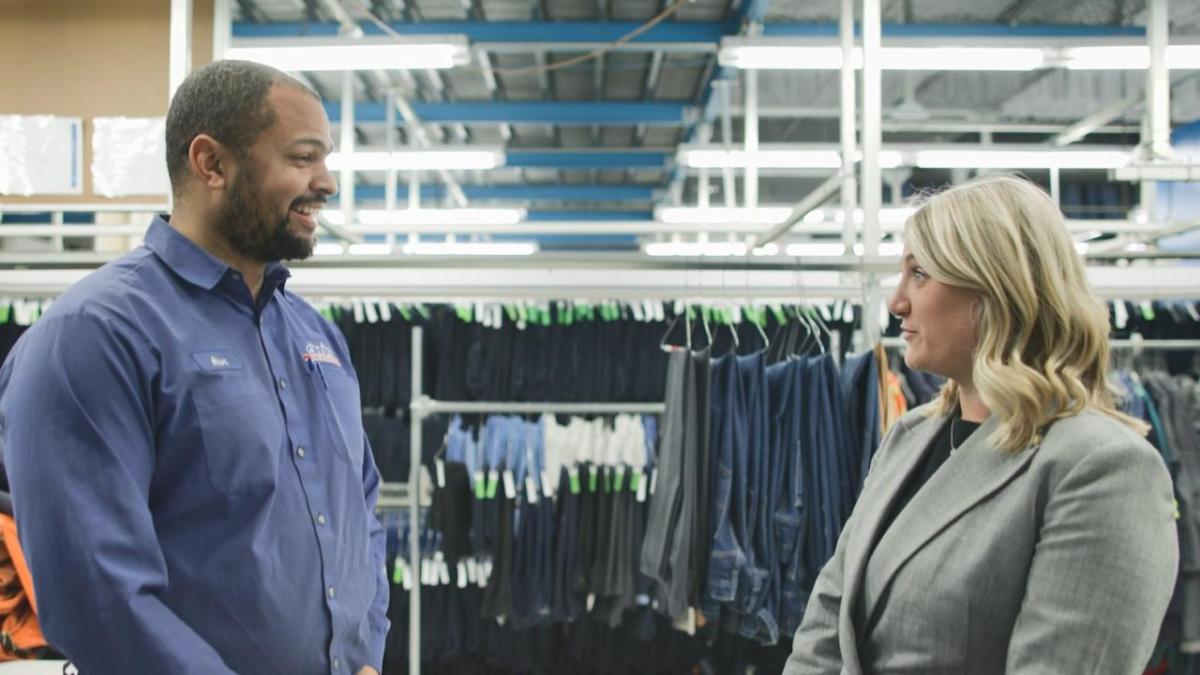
x=129, y=156
x=41, y=155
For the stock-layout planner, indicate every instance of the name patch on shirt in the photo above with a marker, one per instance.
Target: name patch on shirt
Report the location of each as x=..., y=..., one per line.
x=217, y=359
x=317, y=351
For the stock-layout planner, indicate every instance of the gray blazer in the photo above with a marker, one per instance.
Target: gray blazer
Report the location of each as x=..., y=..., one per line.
x=1057, y=559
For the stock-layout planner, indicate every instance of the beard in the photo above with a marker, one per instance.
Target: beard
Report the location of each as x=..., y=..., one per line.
x=251, y=229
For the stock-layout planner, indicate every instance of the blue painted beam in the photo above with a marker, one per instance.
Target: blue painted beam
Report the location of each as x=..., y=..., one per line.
x=590, y=193
x=534, y=32
x=535, y=159
x=531, y=112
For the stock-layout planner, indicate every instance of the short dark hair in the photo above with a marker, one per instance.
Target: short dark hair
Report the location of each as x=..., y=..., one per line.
x=226, y=100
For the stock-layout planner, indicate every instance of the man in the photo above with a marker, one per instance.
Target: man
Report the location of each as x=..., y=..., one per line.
x=183, y=435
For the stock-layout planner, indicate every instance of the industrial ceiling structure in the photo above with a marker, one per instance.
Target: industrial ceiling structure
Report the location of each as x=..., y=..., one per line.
x=602, y=118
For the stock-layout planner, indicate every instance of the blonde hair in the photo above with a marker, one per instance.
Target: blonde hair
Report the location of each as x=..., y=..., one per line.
x=1042, y=352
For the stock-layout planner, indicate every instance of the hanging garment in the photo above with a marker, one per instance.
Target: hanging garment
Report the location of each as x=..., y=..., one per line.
x=667, y=548
x=20, y=634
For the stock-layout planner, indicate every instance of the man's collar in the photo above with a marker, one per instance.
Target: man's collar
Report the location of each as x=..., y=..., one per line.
x=195, y=265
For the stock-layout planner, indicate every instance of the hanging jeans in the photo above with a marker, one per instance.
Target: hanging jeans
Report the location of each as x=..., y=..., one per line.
x=667, y=546
x=794, y=507
x=753, y=585
x=729, y=520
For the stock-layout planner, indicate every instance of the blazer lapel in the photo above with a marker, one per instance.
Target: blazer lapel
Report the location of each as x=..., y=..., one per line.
x=974, y=472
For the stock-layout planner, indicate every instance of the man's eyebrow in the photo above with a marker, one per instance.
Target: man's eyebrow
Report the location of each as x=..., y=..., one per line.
x=314, y=142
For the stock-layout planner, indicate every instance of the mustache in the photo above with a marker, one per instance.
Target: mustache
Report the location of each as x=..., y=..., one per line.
x=315, y=200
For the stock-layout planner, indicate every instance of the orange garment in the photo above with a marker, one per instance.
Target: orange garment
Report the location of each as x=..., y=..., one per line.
x=20, y=634
x=897, y=405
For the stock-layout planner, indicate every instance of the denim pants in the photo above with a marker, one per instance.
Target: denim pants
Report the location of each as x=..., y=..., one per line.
x=728, y=521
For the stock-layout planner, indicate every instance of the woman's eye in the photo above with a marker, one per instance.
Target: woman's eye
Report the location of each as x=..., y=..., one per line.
x=918, y=273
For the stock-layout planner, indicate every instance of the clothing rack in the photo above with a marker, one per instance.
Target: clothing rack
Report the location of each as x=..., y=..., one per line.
x=423, y=406
x=1130, y=343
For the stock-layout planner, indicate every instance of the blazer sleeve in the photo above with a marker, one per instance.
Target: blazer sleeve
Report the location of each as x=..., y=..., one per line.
x=816, y=647
x=1103, y=569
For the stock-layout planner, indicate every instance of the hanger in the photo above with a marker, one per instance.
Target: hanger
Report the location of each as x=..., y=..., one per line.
x=665, y=345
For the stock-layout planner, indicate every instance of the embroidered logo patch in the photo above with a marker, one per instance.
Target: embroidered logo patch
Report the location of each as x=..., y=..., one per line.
x=217, y=359
x=319, y=352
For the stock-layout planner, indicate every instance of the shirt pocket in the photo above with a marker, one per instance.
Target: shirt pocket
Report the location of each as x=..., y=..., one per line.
x=337, y=397
x=240, y=429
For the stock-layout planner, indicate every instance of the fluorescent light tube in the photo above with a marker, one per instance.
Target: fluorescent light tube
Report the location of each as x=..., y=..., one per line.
x=382, y=218
x=328, y=248
x=1129, y=57
x=778, y=159
x=798, y=57
x=373, y=53
x=963, y=58
x=1054, y=158
x=681, y=248
x=471, y=248
x=721, y=215
x=370, y=249
x=814, y=249
x=416, y=160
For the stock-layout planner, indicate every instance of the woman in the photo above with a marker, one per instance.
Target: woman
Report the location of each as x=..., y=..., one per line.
x=1018, y=523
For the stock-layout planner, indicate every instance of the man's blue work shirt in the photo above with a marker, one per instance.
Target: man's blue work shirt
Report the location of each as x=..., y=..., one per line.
x=190, y=477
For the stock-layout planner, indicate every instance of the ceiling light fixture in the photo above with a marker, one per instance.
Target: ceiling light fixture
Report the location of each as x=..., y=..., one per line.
x=695, y=249
x=501, y=248
x=307, y=54
x=739, y=53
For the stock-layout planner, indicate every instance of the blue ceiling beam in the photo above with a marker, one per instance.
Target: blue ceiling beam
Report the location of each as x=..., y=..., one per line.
x=571, y=159
x=683, y=32
x=588, y=193
x=531, y=112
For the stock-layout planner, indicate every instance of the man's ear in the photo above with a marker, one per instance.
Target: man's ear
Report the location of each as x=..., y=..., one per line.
x=210, y=161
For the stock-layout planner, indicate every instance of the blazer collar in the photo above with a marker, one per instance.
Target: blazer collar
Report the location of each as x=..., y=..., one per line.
x=974, y=472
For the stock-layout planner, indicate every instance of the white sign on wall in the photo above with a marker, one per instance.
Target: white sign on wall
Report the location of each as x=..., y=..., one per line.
x=129, y=156
x=41, y=155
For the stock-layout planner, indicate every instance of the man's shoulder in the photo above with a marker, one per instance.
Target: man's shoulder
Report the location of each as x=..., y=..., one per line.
x=108, y=292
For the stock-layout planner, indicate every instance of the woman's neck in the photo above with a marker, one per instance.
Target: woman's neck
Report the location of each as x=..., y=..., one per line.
x=970, y=404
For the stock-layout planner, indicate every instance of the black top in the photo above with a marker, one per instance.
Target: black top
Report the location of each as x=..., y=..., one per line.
x=935, y=455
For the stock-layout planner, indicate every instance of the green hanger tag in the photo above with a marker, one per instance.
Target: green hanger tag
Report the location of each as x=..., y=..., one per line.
x=480, y=486
x=619, y=479
x=635, y=480
x=405, y=313
x=464, y=313
x=593, y=479
x=573, y=477
x=397, y=573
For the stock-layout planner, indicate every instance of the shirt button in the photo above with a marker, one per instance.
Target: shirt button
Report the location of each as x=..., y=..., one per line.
x=282, y=384
x=320, y=518
x=300, y=452
x=330, y=592
x=337, y=664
